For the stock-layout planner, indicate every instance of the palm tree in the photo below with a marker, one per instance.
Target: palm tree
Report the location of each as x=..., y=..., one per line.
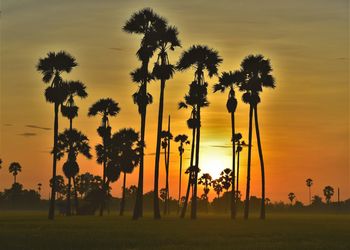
x=143, y=22
x=72, y=142
x=240, y=144
x=164, y=38
x=200, y=58
x=51, y=67
x=125, y=153
x=182, y=139
x=309, y=183
x=105, y=107
x=291, y=197
x=226, y=178
x=229, y=80
x=206, y=181
x=166, y=138
x=256, y=74
x=328, y=192
x=14, y=169
x=60, y=186
x=217, y=186
x=39, y=188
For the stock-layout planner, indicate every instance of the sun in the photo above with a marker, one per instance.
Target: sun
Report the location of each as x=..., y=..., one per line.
x=214, y=161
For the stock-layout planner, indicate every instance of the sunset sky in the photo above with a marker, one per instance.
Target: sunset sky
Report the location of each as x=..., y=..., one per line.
x=304, y=121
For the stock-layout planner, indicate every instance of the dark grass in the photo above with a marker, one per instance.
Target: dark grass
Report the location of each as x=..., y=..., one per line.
x=31, y=230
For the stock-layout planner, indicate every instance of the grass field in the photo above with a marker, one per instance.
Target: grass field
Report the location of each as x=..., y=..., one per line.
x=31, y=230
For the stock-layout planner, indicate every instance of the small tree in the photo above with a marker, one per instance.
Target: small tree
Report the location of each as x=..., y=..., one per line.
x=328, y=192
x=291, y=197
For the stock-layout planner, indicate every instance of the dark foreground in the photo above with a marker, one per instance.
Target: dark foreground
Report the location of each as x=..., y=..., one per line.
x=31, y=230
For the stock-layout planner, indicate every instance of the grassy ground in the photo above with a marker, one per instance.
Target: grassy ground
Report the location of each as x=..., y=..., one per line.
x=31, y=230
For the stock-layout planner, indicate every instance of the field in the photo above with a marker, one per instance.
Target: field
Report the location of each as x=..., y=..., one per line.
x=31, y=230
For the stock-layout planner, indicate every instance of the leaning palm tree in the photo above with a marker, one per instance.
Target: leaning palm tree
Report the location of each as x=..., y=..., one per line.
x=182, y=139
x=104, y=107
x=291, y=197
x=70, y=110
x=14, y=169
x=164, y=38
x=72, y=142
x=229, y=80
x=256, y=74
x=328, y=192
x=143, y=22
x=125, y=153
x=51, y=67
x=200, y=58
x=309, y=183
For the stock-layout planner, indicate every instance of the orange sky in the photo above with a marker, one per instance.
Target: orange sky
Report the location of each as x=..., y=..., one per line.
x=304, y=121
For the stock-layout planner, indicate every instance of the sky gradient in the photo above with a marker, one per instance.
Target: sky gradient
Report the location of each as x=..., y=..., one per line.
x=304, y=121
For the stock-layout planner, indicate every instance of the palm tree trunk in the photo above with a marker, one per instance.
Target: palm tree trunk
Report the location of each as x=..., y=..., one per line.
x=122, y=203
x=194, y=196
x=167, y=171
x=237, y=177
x=309, y=195
x=76, y=201
x=156, y=209
x=179, y=198
x=247, y=195
x=14, y=179
x=68, y=209
x=54, y=162
x=233, y=192
x=138, y=209
x=262, y=210
x=104, y=188
x=183, y=212
x=166, y=181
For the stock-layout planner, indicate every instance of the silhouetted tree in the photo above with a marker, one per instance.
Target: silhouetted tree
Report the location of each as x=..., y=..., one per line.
x=39, y=188
x=206, y=181
x=182, y=139
x=230, y=80
x=14, y=169
x=226, y=179
x=72, y=142
x=163, y=38
x=61, y=189
x=51, y=67
x=217, y=186
x=309, y=183
x=328, y=192
x=240, y=144
x=256, y=74
x=125, y=153
x=145, y=23
x=291, y=197
x=200, y=58
x=104, y=107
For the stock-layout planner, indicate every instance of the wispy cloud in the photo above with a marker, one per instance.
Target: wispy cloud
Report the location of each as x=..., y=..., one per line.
x=37, y=127
x=27, y=134
x=116, y=49
x=8, y=124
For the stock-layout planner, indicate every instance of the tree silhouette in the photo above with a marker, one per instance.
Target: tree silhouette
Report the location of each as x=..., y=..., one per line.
x=200, y=58
x=60, y=186
x=166, y=137
x=206, y=181
x=309, y=183
x=226, y=179
x=104, y=107
x=230, y=80
x=51, y=67
x=256, y=74
x=145, y=23
x=182, y=139
x=14, y=169
x=291, y=197
x=217, y=186
x=72, y=142
x=39, y=188
x=125, y=153
x=328, y=192
x=163, y=39
x=70, y=111
x=240, y=144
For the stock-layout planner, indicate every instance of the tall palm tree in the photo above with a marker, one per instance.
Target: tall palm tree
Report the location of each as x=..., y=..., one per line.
x=200, y=58
x=72, y=142
x=328, y=192
x=14, y=169
x=70, y=111
x=164, y=38
x=309, y=183
x=291, y=197
x=229, y=80
x=256, y=74
x=240, y=145
x=206, y=181
x=166, y=136
x=51, y=67
x=143, y=22
x=182, y=139
x=105, y=107
x=125, y=153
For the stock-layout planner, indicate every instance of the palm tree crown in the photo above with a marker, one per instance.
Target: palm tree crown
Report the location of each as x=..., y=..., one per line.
x=105, y=107
x=15, y=168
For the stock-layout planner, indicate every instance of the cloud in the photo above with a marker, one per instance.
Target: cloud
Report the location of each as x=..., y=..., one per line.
x=37, y=127
x=27, y=134
x=116, y=49
x=8, y=124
